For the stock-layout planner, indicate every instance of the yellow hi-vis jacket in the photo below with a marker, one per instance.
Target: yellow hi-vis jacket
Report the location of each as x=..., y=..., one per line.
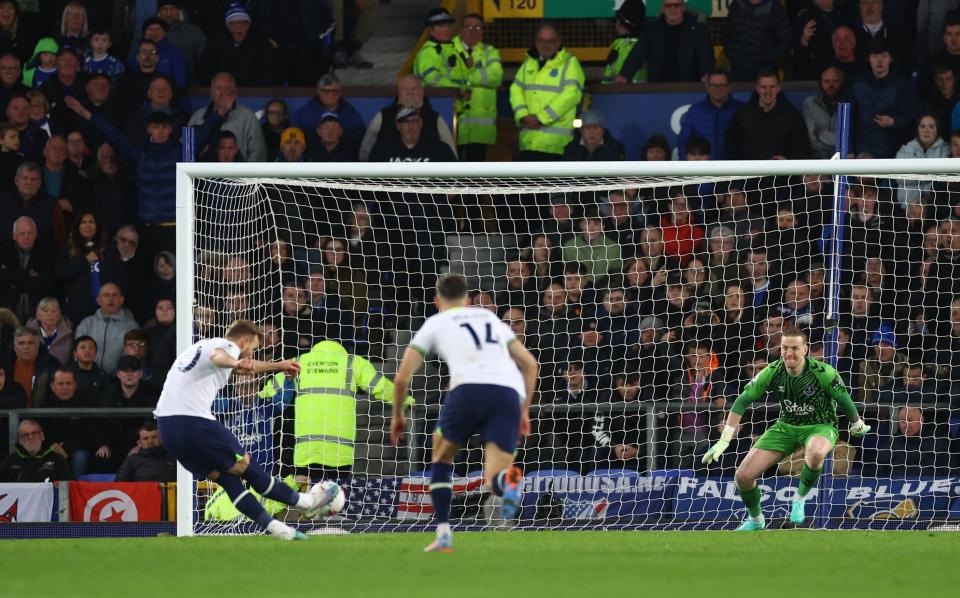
x=477, y=117
x=325, y=424
x=552, y=93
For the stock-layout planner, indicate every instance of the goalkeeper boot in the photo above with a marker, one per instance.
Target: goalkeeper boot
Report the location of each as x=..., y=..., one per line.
x=798, y=512
x=751, y=524
x=511, y=493
x=323, y=496
x=443, y=543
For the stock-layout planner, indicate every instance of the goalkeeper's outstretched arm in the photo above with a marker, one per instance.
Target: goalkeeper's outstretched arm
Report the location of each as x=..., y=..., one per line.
x=755, y=389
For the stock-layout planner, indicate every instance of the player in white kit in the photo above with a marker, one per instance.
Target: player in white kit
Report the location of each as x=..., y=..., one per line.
x=204, y=446
x=492, y=381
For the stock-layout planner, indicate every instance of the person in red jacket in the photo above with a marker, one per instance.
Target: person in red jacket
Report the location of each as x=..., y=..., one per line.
x=682, y=237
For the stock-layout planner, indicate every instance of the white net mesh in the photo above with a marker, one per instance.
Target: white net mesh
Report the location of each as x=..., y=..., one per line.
x=649, y=303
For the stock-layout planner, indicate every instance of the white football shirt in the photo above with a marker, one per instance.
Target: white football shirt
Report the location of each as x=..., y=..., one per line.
x=474, y=344
x=194, y=382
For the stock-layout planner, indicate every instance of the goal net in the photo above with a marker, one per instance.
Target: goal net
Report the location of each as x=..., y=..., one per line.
x=650, y=294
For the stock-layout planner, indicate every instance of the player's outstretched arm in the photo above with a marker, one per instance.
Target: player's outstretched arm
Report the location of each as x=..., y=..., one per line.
x=729, y=431
x=411, y=362
x=529, y=369
x=222, y=359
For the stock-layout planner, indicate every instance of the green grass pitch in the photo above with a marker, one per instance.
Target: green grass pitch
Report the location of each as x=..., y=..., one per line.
x=493, y=565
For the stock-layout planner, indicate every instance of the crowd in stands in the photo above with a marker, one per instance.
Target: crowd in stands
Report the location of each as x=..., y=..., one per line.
x=626, y=296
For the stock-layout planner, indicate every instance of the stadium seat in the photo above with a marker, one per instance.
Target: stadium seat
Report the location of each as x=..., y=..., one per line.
x=97, y=477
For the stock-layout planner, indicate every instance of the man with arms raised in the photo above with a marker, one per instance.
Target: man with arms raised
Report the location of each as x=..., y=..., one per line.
x=808, y=391
x=492, y=381
x=195, y=438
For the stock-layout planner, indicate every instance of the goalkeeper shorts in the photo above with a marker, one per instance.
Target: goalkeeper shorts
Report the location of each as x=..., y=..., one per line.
x=787, y=438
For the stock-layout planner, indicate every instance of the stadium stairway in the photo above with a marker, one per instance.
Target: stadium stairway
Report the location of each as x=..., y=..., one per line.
x=399, y=25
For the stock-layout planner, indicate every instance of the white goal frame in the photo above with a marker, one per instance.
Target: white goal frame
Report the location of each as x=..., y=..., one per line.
x=187, y=173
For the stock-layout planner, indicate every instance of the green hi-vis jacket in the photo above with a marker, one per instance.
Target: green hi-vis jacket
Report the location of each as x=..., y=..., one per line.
x=552, y=93
x=325, y=424
x=619, y=50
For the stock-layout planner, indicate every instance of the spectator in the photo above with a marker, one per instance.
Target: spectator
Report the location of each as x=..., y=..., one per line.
x=581, y=296
x=797, y=309
x=638, y=288
x=932, y=16
x=298, y=36
x=592, y=248
x=861, y=319
x=820, y=113
x=32, y=137
x=942, y=99
x=723, y=260
x=871, y=27
x=327, y=308
x=409, y=94
x=927, y=144
x=61, y=178
x=91, y=380
x=11, y=393
x=10, y=156
x=710, y=117
x=30, y=199
x=236, y=118
x=42, y=64
x=914, y=386
x=616, y=435
x=330, y=144
x=227, y=149
x=149, y=462
x=155, y=172
x=879, y=370
x=844, y=45
x=592, y=141
x=111, y=188
x=516, y=319
x=160, y=98
x=698, y=149
x=412, y=145
x=816, y=23
x=911, y=451
x=300, y=330
x=293, y=146
x=346, y=43
x=164, y=283
x=10, y=74
x=171, y=61
x=131, y=269
x=329, y=99
x=17, y=36
x=33, y=459
x=679, y=47
x=768, y=126
x=135, y=345
x=244, y=53
x=31, y=365
x=131, y=86
x=162, y=340
x=546, y=118
x=78, y=154
x=701, y=389
x=521, y=290
x=758, y=37
x=184, y=35
x=550, y=334
x=56, y=332
x=68, y=80
x=99, y=101
x=477, y=113
x=128, y=390
x=107, y=326
x=655, y=149
x=275, y=121
x=74, y=27
x=97, y=58
x=621, y=226
x=618, y=328
x=560, y=226
x=682, y=236
x=545, y=258
x=758, y=276
x=26, y=272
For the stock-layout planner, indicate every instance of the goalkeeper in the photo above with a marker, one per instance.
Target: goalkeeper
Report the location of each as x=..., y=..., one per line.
x=808, y=391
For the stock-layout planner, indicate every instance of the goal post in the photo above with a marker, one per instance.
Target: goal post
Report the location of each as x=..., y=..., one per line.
x=251, y=239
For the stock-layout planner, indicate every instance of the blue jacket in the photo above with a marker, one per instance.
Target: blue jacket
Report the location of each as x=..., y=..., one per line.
x=172, y=62
x=707, y=121
x=155, y=167
x=307, y=118
x=892, y=96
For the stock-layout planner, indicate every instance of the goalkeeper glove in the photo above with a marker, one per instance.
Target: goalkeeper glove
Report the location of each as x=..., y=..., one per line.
x=721, y=445
x=858, y=429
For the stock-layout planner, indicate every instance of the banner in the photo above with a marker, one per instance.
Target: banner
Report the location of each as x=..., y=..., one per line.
x=888, y=499
x=613, y=494
x=414, y=501
x=21, y=503
x=115, y=501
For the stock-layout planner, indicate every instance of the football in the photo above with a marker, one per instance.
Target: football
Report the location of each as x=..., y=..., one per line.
x=339, y=501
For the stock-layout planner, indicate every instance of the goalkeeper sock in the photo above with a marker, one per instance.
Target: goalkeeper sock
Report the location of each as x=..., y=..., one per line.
x=441, y=491
x=272, y=488
x=243, y=500
x=751, y=500
x=808, y=481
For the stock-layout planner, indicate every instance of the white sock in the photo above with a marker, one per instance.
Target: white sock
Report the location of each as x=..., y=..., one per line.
x=802, y=498
x=443, y=529
x=305, y=500
x=758, y=518
x=281, y=530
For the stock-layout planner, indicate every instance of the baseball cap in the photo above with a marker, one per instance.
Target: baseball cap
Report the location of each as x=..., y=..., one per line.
x=153, y=21
x=128, y=363
x=406, y=112
x=591, y=117
x=329, y=116
x=292, y=133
